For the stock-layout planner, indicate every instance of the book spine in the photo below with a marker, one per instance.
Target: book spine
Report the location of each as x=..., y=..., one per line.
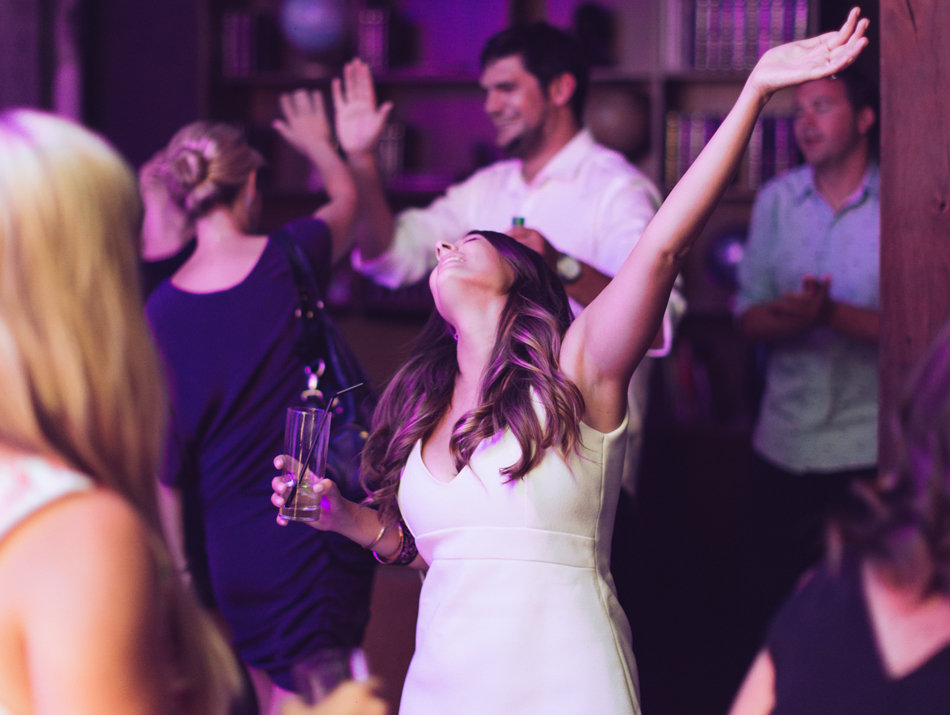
x=755, y=157
x=764, y=27
x=739, y=42
x=776, y=17
x=714, y=46
x=700, y=44
x=671, y=160
x=801, y=19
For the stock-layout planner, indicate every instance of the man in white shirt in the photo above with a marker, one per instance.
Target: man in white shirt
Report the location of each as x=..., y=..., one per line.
x=580, y=205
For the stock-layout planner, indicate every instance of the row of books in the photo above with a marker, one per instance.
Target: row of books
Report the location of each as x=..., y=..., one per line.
x=729, y=35
x=772, y=148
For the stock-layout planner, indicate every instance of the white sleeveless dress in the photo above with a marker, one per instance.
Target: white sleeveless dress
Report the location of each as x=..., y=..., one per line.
x=518, y=613
x=28, y=483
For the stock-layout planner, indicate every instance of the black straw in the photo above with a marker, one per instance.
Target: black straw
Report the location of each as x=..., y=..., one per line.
x=303, y=467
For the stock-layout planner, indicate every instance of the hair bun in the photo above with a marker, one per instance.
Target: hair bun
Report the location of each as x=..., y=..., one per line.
x=189, y=167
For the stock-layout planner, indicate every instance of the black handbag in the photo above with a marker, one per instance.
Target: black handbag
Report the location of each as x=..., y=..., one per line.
x=329, y=367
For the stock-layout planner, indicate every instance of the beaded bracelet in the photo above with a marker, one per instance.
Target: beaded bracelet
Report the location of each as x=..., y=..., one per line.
x=407, y=548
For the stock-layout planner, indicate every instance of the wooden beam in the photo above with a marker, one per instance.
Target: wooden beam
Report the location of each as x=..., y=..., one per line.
x=915, y=189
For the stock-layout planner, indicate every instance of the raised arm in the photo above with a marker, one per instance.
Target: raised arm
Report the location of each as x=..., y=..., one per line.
x=306, y=129
x=608, y=340
x=165, y=227
x=359, y=124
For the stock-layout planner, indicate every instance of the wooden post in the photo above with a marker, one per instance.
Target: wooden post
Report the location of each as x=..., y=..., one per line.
x=915, y=189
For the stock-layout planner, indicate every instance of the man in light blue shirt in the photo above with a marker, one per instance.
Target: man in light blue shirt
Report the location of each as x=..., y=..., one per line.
x=809, y=287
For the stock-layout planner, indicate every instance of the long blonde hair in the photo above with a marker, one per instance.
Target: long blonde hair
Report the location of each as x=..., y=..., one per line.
x=79, y=376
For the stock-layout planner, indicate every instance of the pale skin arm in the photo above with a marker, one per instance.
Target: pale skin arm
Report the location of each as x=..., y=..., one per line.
x=588, y=286
x=605, y=344
x=306, y=129
x=359, y=124
x=165, y=227
x=757, y=694
x=86, y=596
x=357, y=523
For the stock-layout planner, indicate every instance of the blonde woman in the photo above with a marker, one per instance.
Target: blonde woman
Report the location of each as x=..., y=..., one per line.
x=93, y=619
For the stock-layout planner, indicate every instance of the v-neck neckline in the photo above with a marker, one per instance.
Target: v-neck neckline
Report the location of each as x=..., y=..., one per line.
x=872, y=634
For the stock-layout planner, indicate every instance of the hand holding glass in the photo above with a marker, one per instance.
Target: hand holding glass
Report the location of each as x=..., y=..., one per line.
x=306, y=438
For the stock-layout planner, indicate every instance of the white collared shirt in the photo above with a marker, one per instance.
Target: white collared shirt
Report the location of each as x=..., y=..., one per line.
x=587, y=201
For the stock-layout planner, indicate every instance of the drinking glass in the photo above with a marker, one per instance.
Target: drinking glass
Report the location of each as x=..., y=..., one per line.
x=306, y=438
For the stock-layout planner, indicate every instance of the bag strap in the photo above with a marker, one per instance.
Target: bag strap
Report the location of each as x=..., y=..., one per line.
x=313, y=339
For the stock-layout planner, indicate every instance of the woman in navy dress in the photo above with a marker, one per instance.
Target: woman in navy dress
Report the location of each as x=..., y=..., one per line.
x=226, y=328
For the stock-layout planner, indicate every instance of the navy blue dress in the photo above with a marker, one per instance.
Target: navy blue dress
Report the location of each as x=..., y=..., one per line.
x=826, y=659
x=233, y=369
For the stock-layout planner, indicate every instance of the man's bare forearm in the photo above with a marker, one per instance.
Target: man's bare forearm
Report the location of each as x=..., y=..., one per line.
x=858, y=323
x=373, y=204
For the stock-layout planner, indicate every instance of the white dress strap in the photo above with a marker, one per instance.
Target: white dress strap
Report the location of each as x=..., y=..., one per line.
x=28, y=483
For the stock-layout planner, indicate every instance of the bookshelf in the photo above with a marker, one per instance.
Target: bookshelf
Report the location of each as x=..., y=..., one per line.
x=682, y=62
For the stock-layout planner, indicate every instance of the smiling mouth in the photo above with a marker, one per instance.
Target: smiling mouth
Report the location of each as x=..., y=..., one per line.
x=450, y=259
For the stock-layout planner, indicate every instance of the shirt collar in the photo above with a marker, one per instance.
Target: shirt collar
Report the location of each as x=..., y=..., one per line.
x=567, y=162
x=870, y=186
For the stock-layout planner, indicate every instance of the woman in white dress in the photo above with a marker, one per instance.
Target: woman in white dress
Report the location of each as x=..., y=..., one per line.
x=497, y=450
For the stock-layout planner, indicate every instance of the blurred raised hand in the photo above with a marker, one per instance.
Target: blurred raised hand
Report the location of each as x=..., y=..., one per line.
x=359, y=122
x=304, y=124
x=165, y=228
x=811, y=59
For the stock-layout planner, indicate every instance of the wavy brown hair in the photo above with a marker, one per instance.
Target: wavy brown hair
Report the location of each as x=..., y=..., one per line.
x=523, y=377
x=909, y=502
x=79, y=375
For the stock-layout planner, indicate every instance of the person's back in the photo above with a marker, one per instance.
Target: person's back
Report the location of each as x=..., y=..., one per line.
x=93, y=618
x=228, y=325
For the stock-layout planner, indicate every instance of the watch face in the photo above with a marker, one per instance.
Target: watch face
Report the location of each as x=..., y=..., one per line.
x=568, y=268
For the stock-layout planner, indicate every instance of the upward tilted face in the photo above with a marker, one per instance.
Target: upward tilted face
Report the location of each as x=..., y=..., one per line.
x=469, y=270
x=516, y=103
x=827, y=127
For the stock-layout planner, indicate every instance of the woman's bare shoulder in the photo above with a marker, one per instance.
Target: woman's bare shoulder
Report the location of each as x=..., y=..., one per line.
x=73, y=543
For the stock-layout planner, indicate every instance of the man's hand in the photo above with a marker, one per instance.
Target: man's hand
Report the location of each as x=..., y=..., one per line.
x=536, y=242
x=304, y=124
x=808, y=308
x=359, y=122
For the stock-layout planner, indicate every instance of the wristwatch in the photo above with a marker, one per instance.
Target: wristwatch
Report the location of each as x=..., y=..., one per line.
x=568, y=268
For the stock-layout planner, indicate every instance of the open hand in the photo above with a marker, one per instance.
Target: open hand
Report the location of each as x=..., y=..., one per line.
x=304, y=124
x=359, y=122
x=811, y=59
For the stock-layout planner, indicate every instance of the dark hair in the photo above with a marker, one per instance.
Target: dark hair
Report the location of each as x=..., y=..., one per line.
x=546, y=53
x=523, y=376
x=910, y=499
x=863, y=91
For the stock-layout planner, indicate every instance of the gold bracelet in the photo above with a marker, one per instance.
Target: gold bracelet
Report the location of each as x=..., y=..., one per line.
x=391, y=559
x=382, y=532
